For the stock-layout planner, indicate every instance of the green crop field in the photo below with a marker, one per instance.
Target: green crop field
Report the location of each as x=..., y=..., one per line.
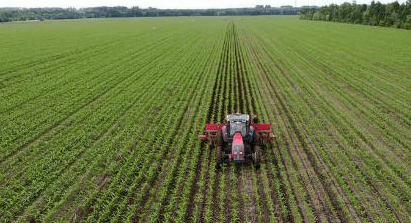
x=99, y=120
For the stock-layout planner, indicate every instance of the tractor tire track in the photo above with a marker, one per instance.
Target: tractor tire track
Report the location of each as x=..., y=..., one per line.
x=369, y=145
x=221, y=113
x=263, y=197
x=244, y=184
x=170, y=189
x=274, y=197
x=239, y=174
x=216, y=202
x=353, y=101
x=211, y=112
x=327, y=187
x=227, y=83
x=352, y=188
x=246, y=103
x=313, y=164
x=206, y=181
x=228, y=191
x=240, y=97
x=251, y=193
x=239, y=78
x=150, y=181
x=164, y=152
x=212, y=117
x=283, y=186
x=326, y=168
x=154, y=182
x=333, y=180
x=179, y=124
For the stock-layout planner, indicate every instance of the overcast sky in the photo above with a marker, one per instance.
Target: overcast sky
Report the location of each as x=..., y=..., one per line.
x=180, y=4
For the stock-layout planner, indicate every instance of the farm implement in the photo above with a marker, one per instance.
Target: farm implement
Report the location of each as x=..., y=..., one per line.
x=238, y=139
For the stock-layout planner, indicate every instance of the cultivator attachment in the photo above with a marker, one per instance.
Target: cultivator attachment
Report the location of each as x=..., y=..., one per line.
x=212, y=133
x=263, y=133
x=238, y=139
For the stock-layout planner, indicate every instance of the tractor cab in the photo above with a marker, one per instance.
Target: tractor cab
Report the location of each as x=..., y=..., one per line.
x=238, y=123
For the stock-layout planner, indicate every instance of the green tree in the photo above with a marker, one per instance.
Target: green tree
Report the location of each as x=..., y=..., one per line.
x=345, y=12
x=357, y=15
x=366, y=17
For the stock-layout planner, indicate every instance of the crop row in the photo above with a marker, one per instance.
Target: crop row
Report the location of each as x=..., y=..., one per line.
x=72, y=135
x=103, y=126
x=343, y=160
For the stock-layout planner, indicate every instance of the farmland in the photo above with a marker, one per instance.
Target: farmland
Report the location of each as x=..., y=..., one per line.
x=100, y=118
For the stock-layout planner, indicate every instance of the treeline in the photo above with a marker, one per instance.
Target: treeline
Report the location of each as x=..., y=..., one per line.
x=377, y=14
x=23, y=14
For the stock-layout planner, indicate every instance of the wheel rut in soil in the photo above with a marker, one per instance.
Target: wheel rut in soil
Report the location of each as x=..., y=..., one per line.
x=254, y=59
x=311, y=157
x=231, y=93
x=212, y=116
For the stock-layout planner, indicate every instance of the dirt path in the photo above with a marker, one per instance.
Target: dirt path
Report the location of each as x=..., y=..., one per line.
x=250, y=205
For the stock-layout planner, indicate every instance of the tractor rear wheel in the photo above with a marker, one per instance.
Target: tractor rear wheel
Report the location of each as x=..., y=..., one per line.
x=257, y=156
x=219, y=157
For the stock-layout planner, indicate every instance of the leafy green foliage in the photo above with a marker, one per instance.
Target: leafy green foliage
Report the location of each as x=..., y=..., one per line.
x=100, y=120
x=375, y=14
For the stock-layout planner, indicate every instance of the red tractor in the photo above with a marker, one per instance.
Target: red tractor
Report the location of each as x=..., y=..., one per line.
x=238, y=139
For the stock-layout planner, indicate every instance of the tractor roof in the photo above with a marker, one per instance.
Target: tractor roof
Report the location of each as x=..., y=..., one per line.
x=238, y=117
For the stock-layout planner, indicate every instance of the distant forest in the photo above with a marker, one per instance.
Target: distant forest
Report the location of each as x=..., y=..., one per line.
x=23, y=14
x=377, y=14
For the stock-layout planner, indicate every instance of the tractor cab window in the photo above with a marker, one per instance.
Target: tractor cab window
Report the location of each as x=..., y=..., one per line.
x=238, y=126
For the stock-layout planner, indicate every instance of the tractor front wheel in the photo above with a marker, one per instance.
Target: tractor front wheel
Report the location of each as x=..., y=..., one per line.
x=256, y=156
x=219, y=158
